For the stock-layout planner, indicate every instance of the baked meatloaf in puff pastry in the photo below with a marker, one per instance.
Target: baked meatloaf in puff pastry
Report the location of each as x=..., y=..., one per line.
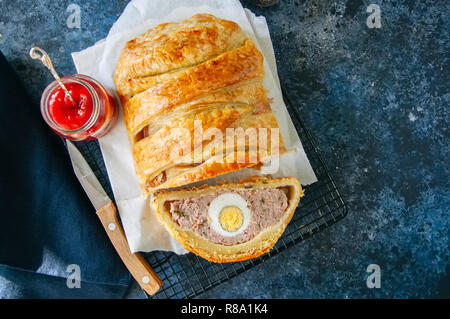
x=229, y=222
x=202, y=71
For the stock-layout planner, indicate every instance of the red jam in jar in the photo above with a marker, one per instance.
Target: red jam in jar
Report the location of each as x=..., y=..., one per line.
x=90, y=114
x=70, y=114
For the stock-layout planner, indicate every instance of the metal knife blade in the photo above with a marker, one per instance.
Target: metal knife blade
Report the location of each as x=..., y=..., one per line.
x=87, y=178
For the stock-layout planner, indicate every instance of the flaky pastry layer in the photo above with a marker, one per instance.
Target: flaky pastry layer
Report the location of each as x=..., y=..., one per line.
x=200, y=70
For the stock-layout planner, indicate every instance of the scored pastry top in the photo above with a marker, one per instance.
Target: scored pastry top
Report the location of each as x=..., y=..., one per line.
x=202, y=72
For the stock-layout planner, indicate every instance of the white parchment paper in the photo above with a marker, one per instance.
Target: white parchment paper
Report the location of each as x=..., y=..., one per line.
x=143, y=231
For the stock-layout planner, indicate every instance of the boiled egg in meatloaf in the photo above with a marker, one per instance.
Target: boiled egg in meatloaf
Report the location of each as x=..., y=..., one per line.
x=229, y=214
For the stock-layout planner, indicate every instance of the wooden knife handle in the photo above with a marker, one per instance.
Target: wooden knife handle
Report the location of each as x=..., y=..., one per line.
x=138, y=267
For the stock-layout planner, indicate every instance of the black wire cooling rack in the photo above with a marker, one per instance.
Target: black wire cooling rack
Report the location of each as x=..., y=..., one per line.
x=187, y=276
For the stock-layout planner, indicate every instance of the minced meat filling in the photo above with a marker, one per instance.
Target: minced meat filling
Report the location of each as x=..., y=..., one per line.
x=266, y=205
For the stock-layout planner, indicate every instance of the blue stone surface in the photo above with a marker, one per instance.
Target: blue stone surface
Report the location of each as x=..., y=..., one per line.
x=377, y=100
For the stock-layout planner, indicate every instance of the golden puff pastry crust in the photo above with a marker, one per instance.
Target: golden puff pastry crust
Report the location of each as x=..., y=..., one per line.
x=260, y=244
x=172, y=77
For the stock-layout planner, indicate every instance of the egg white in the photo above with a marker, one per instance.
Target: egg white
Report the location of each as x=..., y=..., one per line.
x=222, y=201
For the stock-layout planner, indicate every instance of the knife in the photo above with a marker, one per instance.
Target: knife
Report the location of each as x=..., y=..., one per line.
x=106, y=212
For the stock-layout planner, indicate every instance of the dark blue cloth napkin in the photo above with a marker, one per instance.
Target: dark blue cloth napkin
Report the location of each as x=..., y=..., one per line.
x=46, y=220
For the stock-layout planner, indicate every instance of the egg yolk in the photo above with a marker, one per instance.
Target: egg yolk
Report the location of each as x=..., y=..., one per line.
x=231, y=218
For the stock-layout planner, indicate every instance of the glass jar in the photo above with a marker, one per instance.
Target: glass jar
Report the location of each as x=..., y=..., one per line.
x=103, y=111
